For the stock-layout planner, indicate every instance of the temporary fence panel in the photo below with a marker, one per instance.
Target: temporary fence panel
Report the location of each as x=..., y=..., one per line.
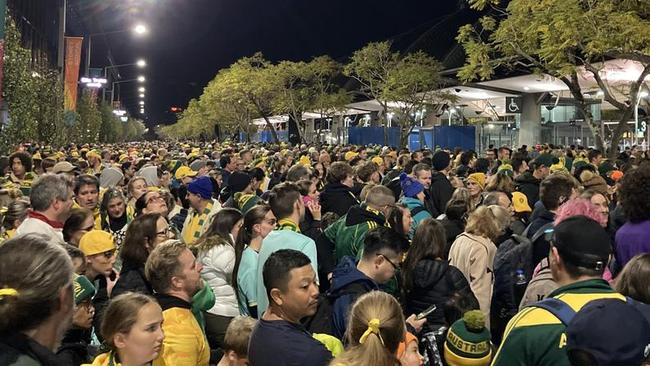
x=450, y=137
x=372, y=135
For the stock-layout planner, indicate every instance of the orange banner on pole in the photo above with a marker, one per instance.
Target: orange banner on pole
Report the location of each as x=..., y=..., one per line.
x=72, y=63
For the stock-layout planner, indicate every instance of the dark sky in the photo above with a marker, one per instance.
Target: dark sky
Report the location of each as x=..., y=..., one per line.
x=190, y=40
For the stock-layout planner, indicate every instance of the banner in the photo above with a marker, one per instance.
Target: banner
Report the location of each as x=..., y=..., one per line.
x=72, y=63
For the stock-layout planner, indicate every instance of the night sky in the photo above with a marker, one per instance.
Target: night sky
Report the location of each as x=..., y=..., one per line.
x=190, y=40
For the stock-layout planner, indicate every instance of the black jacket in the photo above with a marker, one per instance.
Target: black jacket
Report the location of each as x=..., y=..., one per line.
x=310, y=227
x=337, y=198
x=453, y=228
x=18, y=349
x=434, y=282
x=528, y=185
x=100, y=302
x=132, y=279
x=74, y=348
x=540, y=246
x=439, y=194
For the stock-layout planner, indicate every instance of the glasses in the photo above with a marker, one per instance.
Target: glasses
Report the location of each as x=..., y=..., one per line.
x=395, y=266
x=154, y=198
x=167, y=232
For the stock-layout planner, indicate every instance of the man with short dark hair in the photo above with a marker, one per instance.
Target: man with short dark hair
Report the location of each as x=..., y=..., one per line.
x=228, y=165
x=579, y=252
x=337, y=195
x=175, y=275
x=528, y=182
x=86, y=191
x=288, y=207
x=440, y=189
x=291, y=289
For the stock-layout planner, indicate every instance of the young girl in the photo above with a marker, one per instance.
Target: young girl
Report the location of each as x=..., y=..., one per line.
x=132, y=331
x=258, y=223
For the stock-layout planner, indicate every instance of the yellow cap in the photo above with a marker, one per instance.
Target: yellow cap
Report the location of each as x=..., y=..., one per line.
x=95, y=242
x=350, y=155
x=184, y=171
x=520, y=202
x=378, y=160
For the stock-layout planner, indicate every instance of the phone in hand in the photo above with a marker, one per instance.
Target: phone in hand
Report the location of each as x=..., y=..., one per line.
x=425, y=312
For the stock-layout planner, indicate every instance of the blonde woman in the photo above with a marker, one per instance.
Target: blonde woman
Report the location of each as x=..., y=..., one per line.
x=473, y=251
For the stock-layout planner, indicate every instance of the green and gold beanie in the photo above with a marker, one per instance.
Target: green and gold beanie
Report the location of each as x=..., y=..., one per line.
x=468, y=341
x=245, y=201
x=83, y=289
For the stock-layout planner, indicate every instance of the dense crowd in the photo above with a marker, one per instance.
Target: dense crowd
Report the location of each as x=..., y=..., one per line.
x=195, y=253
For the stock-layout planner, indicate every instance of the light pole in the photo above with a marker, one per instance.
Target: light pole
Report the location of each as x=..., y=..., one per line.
x=140, y=63
x=642, y=94
x=138, y=29
x=139, y=79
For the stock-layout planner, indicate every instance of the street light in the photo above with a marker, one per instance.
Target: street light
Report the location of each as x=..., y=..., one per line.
x=142, y=102
x=641, y=95
x=141, y=95
x=139, y=29
x=141, y=79
x=141, y=63
x=141, y=89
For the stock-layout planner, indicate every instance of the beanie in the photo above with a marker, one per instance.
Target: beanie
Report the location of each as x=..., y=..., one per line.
x=201, y=186
x=95, y=242
x=245, y=201
x=593, y=181
x=83, y=289
x=238, y=181
x=479, y=178
x=408, y=338
x=440, y=160
x=410, y=187
x=468, y=341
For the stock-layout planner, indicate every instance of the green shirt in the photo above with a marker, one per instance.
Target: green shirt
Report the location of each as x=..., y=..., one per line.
x=247, y=281
x=535, y=337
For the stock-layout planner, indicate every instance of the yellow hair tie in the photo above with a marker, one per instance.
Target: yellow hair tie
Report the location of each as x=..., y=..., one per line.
x=8, y=292
x=373, y=327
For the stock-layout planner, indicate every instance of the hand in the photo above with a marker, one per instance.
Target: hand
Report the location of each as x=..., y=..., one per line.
x=314, y=208
x=416, y=324
x=110, y=283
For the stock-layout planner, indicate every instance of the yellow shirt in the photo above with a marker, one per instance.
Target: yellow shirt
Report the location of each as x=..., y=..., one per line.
x=196, y=223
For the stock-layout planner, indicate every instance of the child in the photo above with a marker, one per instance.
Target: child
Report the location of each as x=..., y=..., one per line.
x=236, y=341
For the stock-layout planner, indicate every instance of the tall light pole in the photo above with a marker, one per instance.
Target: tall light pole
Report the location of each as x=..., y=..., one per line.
x=640, y=95
x=138, y=30
x=139, y=79
x=140, y=63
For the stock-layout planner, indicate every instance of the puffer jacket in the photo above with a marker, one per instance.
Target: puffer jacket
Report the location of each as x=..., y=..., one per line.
x=434, y=282
x=474, y=255
x=337, y=198
x=218, y=263
x=418, y=213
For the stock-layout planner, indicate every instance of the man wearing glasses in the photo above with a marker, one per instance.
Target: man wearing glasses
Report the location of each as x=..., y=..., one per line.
x=99, y=248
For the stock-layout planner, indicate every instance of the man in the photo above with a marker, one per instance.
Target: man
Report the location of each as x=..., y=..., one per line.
x=51, y=198
x=337, y=195
x=417, y=156
x=238, y=182
x=235, y=342
x=367, y=173
x=64, y=167
x=185, y=175
x=288, y=207
x=528, y=182
x=440, y=190
x=99, y=248
x=246, y=156
x=86, y=192
x=579, y=253
x=21, y=171
x=298, y=172
x=382, y=257
x=203, y=208
x=175, y=275
x=228, y=165
x=595, y=157
x=279, y=339
x=422, y=173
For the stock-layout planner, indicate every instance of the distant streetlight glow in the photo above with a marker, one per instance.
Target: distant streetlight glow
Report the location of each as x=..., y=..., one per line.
x=140, y=29
x=142, y=102
x=141, y=63
x=141, y=79
x=141, y=95
x=141, y=89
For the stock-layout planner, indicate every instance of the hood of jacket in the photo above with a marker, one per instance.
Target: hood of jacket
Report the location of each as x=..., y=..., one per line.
x=438, y=178
x=334, y=188
x=428, y=272
x=359, y=214
x=411, y=203
x=346, y=273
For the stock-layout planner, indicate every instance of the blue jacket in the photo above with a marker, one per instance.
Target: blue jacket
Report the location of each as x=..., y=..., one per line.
x=344, y=275
x=418, y=213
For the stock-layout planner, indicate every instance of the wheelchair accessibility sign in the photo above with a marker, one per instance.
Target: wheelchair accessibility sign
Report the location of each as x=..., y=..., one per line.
x=513, y=105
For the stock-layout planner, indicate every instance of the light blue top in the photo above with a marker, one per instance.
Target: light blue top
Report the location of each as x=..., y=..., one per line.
x=247, y=281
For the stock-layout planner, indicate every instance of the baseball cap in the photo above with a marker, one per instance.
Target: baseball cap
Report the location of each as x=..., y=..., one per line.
x=95, y=242
x=520, y=202
x=545, y=159
x=63, y=167
x=627, y=340
x=582, y=242
x=183, y=172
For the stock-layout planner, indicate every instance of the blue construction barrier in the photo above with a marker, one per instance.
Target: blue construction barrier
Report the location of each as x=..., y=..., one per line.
x=372, y=135
x=265, y=136
x=446, y=137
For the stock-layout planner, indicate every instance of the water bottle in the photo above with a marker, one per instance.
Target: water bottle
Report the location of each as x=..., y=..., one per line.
x=520, y=285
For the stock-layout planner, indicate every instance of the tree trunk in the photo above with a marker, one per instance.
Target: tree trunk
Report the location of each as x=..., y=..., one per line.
x=620, y=129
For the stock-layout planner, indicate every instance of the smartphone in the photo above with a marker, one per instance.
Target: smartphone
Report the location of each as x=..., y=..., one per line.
x=426, y=312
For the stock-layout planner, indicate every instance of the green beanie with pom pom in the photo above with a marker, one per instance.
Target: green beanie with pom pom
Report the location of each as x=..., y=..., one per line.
x=468, y=341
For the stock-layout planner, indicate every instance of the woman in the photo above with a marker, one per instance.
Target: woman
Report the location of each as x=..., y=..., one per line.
x=428, y=279
x=337, y=195
x=375, y=330
x=79, y=222
x=475, y=185
x=136, y=188
x=633, y=280
x=311, y=223
x=216, y=252
x=400, y=219
x=142, y=236
x=114, y=218
x=36, y=300
x=132, y=331
x=258, y=223
x=473, y=251
x=16, y=213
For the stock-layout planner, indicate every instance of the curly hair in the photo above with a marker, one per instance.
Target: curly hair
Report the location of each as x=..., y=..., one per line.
x=634, y=194
x=580, y=206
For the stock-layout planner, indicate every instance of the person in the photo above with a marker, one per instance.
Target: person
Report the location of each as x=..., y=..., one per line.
x=228, y=166
x=579, y=252
x=99, y=248
x=632, y=281
x=236, y=341
x=132, y=330
x=468, y=341
x=475, y=185
x=259, y=221
x=137, y=187
x=79, y=222
x=113, y=216
x=204, y=207
x=151, y=202
x=632, y=237
x=216, y=252
x=376, y=329
x=408, y=351
x=414, y=199
x=51, y=197
x=311, y=224
x=21, y=171
x=74, y=348
x=428, y=278
x=473, y=251
x=36, y=300
x=381, y=260
x=142, y=236
x=288, y=207
x=440, y=190
x=15, y=215
x=337, y=195
x=529, y=181
x=239, y=182
x=175, y=275
x=279, y=339
x=86, y=191
x=399, y=219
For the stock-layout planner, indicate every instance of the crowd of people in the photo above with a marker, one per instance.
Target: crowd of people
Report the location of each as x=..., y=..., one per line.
x=229, y=254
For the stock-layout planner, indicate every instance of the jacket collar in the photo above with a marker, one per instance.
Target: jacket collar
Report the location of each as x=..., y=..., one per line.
x=25, y=345
x=167, y=302
x=41, y=217
x=596, y=285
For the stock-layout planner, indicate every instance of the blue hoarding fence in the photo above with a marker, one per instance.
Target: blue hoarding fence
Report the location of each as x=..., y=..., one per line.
x=445, y=137
x=372, y=135
x=265, y=136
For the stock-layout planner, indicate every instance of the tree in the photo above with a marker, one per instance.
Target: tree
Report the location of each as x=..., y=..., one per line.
x=111, y=128
x=392, y=79
x=567, y=39
x=293, y=95
x=90, y=120
x=328, y=98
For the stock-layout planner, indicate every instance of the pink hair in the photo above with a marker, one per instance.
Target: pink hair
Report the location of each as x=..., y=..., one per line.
x=580, y=206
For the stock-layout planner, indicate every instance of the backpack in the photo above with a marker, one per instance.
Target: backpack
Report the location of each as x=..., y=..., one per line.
x=322, y=320
x=513, y=254
x=396, y=187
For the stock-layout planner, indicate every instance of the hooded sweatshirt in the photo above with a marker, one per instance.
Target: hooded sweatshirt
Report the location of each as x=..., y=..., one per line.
x=528, y=185
x=337, y=198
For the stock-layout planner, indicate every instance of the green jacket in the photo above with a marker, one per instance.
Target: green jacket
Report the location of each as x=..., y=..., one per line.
x=347, y=233
x=535, y=337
